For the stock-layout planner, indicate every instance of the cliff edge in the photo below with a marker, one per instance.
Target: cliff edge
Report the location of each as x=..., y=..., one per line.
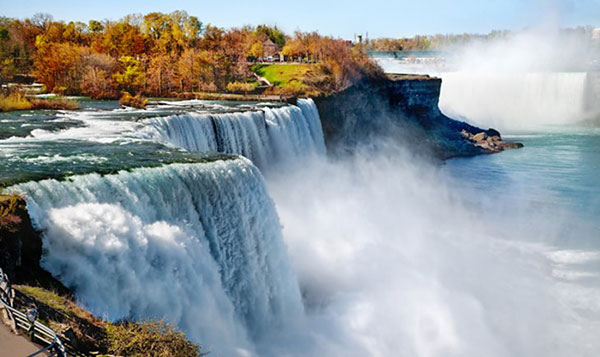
x=404, y=108
x=21, y=246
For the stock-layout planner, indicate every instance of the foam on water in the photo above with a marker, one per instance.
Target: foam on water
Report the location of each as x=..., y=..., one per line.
x=197, y=244
x=392, y=256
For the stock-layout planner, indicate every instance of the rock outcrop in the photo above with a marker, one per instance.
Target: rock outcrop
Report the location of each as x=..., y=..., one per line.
x=404, y=108
x=491, y=143
x=21, y=247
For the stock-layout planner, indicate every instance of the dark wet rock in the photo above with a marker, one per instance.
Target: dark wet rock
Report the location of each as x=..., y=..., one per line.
x=404, y=108
x=21, y=247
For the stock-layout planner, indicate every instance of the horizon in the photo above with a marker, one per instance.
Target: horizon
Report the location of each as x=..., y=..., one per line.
x=343, y=20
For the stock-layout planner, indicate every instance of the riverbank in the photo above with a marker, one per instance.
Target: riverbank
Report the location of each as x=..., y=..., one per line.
x=19, y=101
x=239, y=97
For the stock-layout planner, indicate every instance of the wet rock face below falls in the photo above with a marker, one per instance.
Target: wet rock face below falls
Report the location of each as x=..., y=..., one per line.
x=404, y=107
x=21, y=246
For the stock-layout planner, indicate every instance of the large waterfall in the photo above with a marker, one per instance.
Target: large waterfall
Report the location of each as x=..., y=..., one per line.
x=371, y=254
x=199, y=244
x=263, y=135
x=515, y=100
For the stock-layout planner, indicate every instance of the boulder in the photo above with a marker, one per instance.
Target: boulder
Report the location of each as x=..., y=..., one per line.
x=479, y=137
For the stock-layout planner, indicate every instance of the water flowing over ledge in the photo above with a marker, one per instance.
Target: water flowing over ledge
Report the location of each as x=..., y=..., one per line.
x=199, y=244
x=263, y=135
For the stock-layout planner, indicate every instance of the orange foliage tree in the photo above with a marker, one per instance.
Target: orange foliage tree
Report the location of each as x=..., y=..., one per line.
x=163, y=54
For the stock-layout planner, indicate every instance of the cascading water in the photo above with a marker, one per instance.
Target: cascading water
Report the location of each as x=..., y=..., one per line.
x=199, y=244
x=515, y=100
x=263, y=135
x=394, y=256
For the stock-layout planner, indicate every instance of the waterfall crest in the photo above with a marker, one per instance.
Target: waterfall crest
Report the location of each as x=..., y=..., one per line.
x=199, y=244
x=514, y=100
x=265, y=135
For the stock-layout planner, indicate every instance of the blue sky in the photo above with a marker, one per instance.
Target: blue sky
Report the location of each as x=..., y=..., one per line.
x=380, y=18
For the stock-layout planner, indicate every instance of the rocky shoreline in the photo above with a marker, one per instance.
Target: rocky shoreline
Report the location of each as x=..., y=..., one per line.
x=492, y=142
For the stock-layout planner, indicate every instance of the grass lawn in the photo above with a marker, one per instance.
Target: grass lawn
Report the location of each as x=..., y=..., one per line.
x=281, y=74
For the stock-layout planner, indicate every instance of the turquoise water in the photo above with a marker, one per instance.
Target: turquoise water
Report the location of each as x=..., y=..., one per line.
x=389, y=251
x=100, y=137
x=551, y=187
x=104, y=138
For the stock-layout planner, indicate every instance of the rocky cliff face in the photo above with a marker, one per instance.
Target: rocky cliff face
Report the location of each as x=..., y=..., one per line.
x=21, y=246
x=404, y=108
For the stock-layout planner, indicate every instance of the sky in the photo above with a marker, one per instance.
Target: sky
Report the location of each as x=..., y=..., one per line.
x=378, y=18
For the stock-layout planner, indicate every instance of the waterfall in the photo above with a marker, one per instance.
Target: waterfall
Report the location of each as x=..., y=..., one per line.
x=514, y=100
x=198, y=244
x=264, y=135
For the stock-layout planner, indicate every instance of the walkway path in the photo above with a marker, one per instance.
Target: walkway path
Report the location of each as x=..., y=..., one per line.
x=13, y=345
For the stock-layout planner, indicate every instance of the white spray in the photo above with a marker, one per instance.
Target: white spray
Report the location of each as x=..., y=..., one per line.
x=198, y=244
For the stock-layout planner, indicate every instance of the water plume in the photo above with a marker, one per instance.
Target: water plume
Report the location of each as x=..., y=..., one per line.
x=522, y=80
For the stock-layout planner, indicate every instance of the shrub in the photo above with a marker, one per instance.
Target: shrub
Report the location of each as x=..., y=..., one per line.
x=14, y=101
x=240, y=87
x=54, y=103
x=136, y=101
x=153, y=338
x=18, y=101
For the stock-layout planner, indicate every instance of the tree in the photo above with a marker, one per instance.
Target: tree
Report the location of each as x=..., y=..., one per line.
x=256, y=50
x=58, y=66
x=42, y=20
x=131, y=77
x=121, y=39
x=95, y=26
x=162, y=74
x=98, y=81
x=272, y=33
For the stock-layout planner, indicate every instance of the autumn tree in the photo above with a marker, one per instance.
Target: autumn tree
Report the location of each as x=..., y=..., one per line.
x=120, y=39
x=257, y=50
x=58, y=65
x=98, y=76
x=131, y=76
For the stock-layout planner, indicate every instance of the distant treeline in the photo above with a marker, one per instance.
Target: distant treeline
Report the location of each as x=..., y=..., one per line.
x=164, y=54
x=438, y=42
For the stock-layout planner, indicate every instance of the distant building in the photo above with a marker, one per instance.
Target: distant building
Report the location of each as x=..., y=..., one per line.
x=359, y=39
x=270, y=48
x=596, y=34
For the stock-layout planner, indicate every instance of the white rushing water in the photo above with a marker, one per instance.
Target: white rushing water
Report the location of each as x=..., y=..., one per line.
x=395, y=257
x=265, y=135
x=515, y=100
x=379, y=254
x=510, y=100
x=198, y=244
